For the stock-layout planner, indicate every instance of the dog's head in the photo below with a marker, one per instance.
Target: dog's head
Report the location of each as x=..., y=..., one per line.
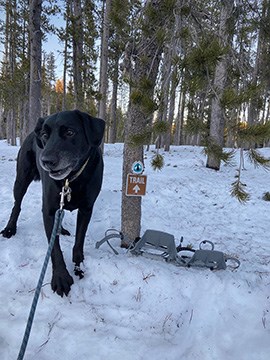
x=65, y=139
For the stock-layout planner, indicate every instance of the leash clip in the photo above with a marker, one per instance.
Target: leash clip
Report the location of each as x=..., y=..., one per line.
x=66, y=191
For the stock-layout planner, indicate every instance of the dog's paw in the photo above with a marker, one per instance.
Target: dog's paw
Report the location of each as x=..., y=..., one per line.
x=61, y=282
x=79, y=272
x=64, y=231
x=77, y=257
x=8, y=232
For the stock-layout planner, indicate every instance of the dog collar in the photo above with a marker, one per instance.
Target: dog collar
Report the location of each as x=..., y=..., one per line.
x=66, y=190
x=75, y=176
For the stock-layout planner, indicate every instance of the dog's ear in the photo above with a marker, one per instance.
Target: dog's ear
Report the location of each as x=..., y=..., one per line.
x=93, y=127
x=37, y=132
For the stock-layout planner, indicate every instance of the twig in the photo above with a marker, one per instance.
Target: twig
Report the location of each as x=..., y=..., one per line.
x=146, y=277
x=191, y=316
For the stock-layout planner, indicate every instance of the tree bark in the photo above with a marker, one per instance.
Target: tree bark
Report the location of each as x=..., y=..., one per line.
x=64, y=99
x=165, y=89
x=9, y=70
x=113, y=112
x=142, y=79
x=103, y=78
x=174, y=45
x=179, y=136
x=77, y=53
x=168, y=135
x=35, y=8
x=217, y=119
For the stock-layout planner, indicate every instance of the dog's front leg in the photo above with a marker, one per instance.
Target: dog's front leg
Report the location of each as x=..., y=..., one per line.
x=83, y=219
x=61, y=279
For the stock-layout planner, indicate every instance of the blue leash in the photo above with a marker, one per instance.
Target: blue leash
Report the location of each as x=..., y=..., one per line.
x=56, y=230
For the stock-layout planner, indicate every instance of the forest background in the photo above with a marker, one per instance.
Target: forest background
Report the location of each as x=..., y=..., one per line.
x=167, y=72
x=198, y=40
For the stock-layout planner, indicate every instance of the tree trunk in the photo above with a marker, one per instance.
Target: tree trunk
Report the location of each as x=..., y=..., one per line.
x=179, y=136
x=217, y=119
x=165, y=89
x=9, y=69
x=77, y=53
x=113, y=112
x=64, y=99
x=3, y=130
x=254, y=109
x=35, y=8
x=173, y=56
x=143, y=78
x=167, y=138
x=103, y=78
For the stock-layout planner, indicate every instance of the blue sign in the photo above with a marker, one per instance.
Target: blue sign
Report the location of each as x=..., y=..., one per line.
x=137, y=167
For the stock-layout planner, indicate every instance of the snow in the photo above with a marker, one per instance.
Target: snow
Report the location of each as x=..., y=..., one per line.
x=138, y=308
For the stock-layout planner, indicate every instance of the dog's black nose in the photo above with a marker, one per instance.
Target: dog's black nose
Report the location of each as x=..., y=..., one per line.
x=49, y=161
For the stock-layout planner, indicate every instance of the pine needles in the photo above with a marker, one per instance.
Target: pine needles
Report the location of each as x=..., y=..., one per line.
x=238, y=190
x=258, y=159
x=157, y=162
x=238, y=187
x=247, y=135
x=255, y=133
x=211, y=147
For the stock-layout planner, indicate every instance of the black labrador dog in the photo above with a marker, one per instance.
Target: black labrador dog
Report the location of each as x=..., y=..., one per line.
x=63, y=146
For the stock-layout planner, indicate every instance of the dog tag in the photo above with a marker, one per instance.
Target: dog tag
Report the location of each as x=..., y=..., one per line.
x=69, y=194
x=66, y=191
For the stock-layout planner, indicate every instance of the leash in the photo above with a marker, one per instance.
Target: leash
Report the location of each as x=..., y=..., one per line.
x=56, y=231
x=58, y=218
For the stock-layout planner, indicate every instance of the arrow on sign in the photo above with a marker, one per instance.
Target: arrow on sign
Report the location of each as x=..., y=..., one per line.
x=136, y=185
x=136, y=189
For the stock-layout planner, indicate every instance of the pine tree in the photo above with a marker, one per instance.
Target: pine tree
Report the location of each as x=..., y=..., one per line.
x=48, y=81
x=145, y=53
x=250, y=134
x=35, y=8
x=217, y=120
x=120, y=33
x=77, y=42
x=103, y=76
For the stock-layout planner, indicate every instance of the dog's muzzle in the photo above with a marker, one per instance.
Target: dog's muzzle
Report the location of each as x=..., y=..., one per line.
x=58, y=170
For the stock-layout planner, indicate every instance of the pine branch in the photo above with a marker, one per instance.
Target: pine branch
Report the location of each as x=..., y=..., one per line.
x=161, y=127
x=157, y=162
x=140, y=139
x=195, y=126
x=212, y=148
x=258, y=159
x=239, y=192
x=254, y=133
x=237, y=189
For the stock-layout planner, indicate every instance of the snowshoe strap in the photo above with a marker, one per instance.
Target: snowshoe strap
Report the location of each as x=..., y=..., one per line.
x=107, y=237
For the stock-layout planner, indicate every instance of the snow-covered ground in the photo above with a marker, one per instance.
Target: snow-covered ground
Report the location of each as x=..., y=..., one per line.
x=133, y=308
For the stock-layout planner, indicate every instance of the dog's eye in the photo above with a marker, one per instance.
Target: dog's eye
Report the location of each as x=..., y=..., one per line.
x=69, y=133
x=44, y=136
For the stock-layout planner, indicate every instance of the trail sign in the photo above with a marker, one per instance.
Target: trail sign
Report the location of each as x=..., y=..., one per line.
x=137, y=167
x=136, y=185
